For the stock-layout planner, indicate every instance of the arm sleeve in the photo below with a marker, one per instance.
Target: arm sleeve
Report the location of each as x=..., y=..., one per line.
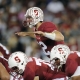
x=28, y=74
x=71, y=66
x=4, y=51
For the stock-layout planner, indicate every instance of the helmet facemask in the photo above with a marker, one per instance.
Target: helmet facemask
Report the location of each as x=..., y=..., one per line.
x=55, y=62
x=19, y=69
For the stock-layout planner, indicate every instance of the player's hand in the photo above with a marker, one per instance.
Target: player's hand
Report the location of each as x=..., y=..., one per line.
x=22, y=33
x=39, y=33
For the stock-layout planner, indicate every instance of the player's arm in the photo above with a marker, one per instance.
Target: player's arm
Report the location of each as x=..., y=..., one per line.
x=1, y=54
x=4, y=75
x=36, y=78
x=75, y=78
x=55, y=35
x=50, y=31
x=31, y=34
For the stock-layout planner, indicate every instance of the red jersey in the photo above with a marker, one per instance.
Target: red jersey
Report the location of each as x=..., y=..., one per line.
x=35, y=67
x=4, y=61
x=4, y=51
x=13, y=76
x=54, y=74
x=44, y=42
x=73, y=61
x=38, y=67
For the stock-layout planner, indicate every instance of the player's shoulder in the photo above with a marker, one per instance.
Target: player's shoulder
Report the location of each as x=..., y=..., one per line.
x=31, y=62
x=48, y=23
x=32, y=59
x=29, y=73
x=74, y=54
x=47, y=27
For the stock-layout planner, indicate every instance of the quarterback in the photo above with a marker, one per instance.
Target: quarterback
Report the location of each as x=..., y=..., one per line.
x=46, y=33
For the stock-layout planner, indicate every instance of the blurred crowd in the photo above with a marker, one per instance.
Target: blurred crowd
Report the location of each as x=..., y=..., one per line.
x=64, y=13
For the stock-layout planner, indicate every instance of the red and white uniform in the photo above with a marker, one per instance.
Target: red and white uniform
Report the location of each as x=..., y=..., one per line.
x=12, y=76
x=4, y=61
x=55, y=76
x=35, y=67
x=38, y=67
x=44, y=42
x=73, y=64
x=4, y=51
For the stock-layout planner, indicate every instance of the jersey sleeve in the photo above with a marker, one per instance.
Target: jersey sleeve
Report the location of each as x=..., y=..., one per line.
x=28, y=74
x=5, y=63
x=71, y=66
x=49, y=27
x=48, y=76
x=4, y=51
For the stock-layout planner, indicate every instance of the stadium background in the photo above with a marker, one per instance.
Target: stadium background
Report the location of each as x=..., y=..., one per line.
x=64, y=13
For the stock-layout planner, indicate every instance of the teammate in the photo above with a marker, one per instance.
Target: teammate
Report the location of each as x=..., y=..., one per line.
x=46, y=33
x=71, y=59
x=4, y=69
x=32, y=67
x=4, y=75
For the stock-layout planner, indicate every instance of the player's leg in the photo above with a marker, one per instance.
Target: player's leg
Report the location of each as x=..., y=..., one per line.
x=4, y=75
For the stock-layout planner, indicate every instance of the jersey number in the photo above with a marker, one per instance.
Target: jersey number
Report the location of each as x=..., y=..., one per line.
x=44, y=48
x=39, y=61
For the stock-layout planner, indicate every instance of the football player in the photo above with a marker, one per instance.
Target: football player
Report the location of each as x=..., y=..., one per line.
x=4, y=69
x=4, y=75
x=62, y=55
x=28, y=67
x=46, y=33
x=33, y=67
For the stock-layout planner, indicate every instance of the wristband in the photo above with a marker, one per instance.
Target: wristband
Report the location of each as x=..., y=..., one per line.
x=50, y=35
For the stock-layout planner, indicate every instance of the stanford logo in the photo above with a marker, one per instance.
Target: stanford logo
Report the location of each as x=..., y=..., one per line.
x=17, y=59
x=60, y=50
